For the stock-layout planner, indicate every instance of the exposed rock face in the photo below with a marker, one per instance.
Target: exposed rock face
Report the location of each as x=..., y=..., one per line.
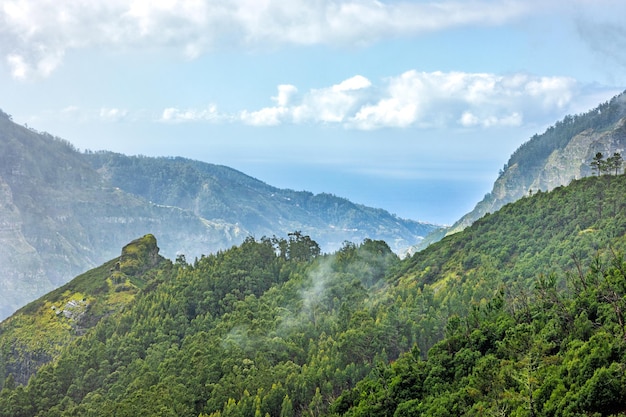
x=557, y=157
x=139, y=255
x=20, y=263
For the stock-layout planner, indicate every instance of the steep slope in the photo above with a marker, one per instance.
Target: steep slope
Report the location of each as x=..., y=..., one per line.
x=223, y=194
x=74, y=308
x=554, y=351
x=58, y=217
x=562, y=153
x=272, y=327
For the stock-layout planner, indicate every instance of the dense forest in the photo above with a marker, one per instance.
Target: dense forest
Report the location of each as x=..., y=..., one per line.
x=521, y=314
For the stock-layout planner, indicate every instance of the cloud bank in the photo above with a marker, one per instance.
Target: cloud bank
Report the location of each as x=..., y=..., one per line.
x=411, y=99
x=35, y=35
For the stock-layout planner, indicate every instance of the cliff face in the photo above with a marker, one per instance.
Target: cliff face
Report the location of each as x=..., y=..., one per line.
x=22, y=267
x=59, y=217
x=563, y=153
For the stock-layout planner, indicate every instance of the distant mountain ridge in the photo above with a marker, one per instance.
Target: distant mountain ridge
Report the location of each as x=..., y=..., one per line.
x=226, y=195
x=562, y=153
x=63, y=211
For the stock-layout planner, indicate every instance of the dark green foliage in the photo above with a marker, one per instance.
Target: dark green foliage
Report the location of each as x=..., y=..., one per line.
x=245, y=329
x=508, y=364
x=521, y=314
x=612, y=164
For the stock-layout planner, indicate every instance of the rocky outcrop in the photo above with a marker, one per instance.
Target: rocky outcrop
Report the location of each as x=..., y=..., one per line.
x=139, y=255
x=565, y=153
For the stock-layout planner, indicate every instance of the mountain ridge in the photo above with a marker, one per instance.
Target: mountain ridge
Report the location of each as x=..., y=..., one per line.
x=559, y=155
x=63, y=211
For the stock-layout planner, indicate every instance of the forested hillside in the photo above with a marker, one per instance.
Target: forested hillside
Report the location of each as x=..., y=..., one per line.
x=520, y=314
x=558, y=350
x=63, y=212
x=72, y=309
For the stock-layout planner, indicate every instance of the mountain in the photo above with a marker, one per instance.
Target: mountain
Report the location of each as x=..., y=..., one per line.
x=63, y=211
x=562, y=153
x=59, y=217
x=71, y=310
x=225, y=195
x=521, y=312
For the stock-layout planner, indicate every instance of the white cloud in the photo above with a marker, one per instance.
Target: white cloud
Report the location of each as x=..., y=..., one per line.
x=285, y=92
x=19, y=68
x=469, y=119
x=36, y=34
x=326, y=105
x=423, y=100
x=413, y=99
x=269, y=116
x=442, y=99
x=113, y=114
x=175, y=115
x=357, y=82
x=333, y=104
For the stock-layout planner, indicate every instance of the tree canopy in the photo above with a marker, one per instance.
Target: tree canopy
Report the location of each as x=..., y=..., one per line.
x=521, y=314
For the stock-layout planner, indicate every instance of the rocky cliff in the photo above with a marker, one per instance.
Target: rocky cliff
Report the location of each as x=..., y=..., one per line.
x=563, y=153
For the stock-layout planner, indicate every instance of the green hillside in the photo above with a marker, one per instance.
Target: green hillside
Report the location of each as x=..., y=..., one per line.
x=40, y=331
x=520, y=314
x=554, y=351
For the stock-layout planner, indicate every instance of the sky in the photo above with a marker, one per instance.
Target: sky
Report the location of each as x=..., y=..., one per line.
x=410, y=106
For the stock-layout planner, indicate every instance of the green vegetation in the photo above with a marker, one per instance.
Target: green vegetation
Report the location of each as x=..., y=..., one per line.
x=38, y=333
x=562, y=153
x=612, y=165
x=521, y=314
x=64, y=212
x=556, y=352
x=533, y=154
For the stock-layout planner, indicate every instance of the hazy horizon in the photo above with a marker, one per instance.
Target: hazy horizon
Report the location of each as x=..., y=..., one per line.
x=408, y=106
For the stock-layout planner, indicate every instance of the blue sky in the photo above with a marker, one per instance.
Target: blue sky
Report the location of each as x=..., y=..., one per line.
x=411, y=106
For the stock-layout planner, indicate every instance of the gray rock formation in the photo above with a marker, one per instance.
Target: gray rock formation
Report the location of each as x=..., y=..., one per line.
x=563, y=153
